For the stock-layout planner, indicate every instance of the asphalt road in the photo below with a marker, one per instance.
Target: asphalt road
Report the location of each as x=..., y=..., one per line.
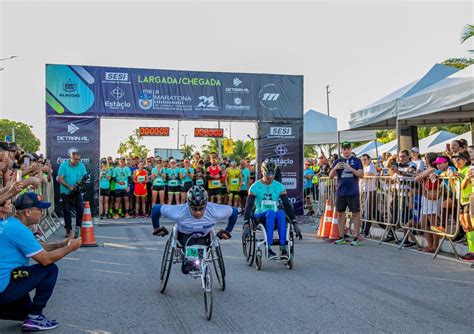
x=331, y=289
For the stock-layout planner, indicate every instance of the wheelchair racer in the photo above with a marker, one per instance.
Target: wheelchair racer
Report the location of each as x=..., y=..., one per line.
x=195, y=218
x=265, y=195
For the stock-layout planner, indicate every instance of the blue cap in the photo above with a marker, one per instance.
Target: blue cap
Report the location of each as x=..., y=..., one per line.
x=30, y=200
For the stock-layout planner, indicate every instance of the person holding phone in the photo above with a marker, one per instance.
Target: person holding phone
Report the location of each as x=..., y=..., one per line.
x=348, y=170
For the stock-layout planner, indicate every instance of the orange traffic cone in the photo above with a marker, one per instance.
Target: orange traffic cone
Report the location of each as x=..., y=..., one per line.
x=334, y=235
x=319, y=234
x=327, y=220
x=87, y=230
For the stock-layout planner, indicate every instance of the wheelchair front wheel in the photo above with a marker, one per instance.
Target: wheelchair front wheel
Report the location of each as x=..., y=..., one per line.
x=258, y=260
x=166, y=265
x=208, y=293
x=249, y=249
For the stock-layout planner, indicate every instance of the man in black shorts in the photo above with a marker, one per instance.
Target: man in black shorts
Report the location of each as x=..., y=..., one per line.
x=348, y=170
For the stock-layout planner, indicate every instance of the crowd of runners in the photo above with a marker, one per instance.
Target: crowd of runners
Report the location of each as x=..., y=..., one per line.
x=131, y=186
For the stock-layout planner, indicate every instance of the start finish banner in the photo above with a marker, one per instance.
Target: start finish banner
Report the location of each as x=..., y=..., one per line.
x=282, y=143
x=73, y=90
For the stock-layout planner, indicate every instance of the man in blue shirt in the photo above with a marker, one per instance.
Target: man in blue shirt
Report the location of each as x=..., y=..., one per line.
x=348, y=170
x=70, y=172
x=17, y=278
x=308, y=186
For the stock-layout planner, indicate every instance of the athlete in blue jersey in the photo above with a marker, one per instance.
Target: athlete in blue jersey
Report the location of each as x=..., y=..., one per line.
x=265, y=194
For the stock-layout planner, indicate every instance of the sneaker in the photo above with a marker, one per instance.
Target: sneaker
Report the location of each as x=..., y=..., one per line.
x=468, y=257
x=390, y=238
x=438, y=229
x=127, y=216
x=41, y=323
x=271, y=253
x=68, y=232
x=341, y=241
x=283, y=252
x=355, y=243
x=116, y=216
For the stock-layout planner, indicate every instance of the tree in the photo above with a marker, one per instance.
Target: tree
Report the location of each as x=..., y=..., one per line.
x=467, y=33
x=310, y=151
x=187, y=150
x=243, y=149
x=212, y=146
x=132, y=147
x=460, y=63
x=23, y=134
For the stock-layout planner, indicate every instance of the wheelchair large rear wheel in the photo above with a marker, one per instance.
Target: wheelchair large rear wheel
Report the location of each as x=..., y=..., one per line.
x=250, y=248
x=166, y=263
x=208, y=293
x=219, y=268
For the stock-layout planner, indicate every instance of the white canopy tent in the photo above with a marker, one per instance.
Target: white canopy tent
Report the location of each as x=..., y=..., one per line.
x=322, y=129
x=441, y=147
x=450, y=100
x=366, y=148
x=383, y=113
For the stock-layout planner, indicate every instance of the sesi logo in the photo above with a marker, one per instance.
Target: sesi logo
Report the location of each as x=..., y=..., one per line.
x=116, y=76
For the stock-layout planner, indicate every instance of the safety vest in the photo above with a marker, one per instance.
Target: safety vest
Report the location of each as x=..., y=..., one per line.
x=315, y=176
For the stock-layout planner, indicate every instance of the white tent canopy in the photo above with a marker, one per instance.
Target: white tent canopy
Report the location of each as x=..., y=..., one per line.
x=322, y=129
x=366, y=148
x=448, y=100
x=441, y=147
x=384, y=112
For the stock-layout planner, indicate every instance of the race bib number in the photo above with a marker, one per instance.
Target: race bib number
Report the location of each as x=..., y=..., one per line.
x=141, y=178
x=216, y=183
x=269, y=205
x=234, y=182
x=199, y=182
x=195, y=252
x=173, y=183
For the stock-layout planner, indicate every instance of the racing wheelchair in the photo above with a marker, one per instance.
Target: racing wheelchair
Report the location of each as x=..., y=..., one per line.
x=199, y=253
x=255, y=243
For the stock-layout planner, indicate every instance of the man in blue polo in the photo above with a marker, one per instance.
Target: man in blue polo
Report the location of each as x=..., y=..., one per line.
x=69, y=173
x=348, y=170
x=17, y=277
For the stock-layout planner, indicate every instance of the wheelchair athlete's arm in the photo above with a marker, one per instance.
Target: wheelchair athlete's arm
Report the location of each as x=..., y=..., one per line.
x=232, y=220
x=155, y=215
x=249, y=206
x=288, y=207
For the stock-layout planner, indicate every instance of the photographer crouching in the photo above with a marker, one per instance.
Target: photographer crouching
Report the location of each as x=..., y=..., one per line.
x=17, y=278
x=71, y=177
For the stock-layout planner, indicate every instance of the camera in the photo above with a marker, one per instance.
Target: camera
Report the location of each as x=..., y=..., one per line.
x=80, y=186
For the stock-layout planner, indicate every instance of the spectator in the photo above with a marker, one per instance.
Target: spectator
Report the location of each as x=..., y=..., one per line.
x=405, y=166
x=105, y=176
x=17, y=278
x=308, y=186
x=467, y=206
x=368, y=187
x=69, y=174
x=416, y=159
x=348, y=170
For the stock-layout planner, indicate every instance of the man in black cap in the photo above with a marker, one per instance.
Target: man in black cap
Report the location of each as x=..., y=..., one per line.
x=17, y=278
x=348, y=170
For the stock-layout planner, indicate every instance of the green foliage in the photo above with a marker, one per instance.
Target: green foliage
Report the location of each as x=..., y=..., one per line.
x=386, y=136
x=132, y=147
x=310, y=151
x=23, y=134
x=467, y=33
x=187, y=150
x=243, y=149
x=460, y=63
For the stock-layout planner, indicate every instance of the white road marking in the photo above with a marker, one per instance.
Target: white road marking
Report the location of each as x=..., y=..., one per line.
x=70, y=258
x=424, y=277
x=114, y=263
x=111, y=272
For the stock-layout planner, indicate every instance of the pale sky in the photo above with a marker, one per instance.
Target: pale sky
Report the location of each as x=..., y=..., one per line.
x=363, y=50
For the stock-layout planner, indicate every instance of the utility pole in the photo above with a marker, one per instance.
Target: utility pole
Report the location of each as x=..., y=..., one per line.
x=327, y=96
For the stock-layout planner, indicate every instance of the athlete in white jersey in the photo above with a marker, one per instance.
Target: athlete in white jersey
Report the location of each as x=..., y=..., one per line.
x=196, y=217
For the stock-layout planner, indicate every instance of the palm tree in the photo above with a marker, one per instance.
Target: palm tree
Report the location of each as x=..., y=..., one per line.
x=187, y=150
x=310, y=151
x=212, y=146
x=467, y=33
x=241, y=150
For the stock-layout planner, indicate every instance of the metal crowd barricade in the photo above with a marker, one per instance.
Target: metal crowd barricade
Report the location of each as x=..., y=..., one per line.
x=379, y=203
x=327, y=190
x=433, y=207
